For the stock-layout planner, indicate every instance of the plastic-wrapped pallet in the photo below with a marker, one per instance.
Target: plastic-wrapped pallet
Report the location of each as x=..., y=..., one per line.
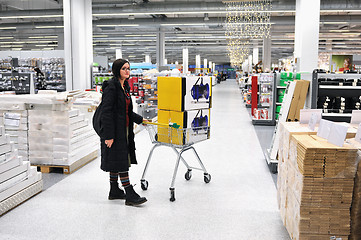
x=59, y=137
x=18, y=180
x=14, y=117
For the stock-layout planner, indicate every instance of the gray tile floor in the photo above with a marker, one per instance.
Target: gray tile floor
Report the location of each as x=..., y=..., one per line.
x=239, y=203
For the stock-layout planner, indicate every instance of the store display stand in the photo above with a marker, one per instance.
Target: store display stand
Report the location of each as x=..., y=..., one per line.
x=266, y=91
x=272, y=152
x=334, y=91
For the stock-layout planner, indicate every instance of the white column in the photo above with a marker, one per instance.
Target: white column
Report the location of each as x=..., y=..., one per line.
x=78, y=43
x=307, y=30
x=250, y=64
x=205, y=64
x=198, y=62
x=118, y=53
x=266, y=58
x=185, y=60
x=214, y=67
x=165, y=61
x=255, y=55
x=147, y=58
x=210, y=64
x=160, y=48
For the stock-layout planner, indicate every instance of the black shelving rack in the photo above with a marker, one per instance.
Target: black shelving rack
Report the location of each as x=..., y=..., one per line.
x=333, y=85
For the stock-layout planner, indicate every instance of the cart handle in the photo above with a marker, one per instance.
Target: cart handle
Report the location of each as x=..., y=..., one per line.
x=172, y=125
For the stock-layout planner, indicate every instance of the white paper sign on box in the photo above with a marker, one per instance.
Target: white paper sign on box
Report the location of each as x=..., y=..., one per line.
x=358, y=134
x=324, y=128
x=305, y=115
x=356, y=116
x=337, y=134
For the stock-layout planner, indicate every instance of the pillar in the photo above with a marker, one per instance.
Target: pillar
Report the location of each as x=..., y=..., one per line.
x=185, y=60
x=307, y=30
x=160, y=48
x=266, y=58
x=118, y=53
x=78, y=43
x=198, y=63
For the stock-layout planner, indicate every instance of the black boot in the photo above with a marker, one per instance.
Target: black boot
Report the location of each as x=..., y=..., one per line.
x=132, y=198
x=115, y=192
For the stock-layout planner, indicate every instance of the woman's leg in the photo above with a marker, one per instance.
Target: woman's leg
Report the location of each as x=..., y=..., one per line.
x=115, y=192
x=132, y=198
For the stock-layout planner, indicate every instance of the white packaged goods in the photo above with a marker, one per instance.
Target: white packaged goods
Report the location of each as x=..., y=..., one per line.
x=24, y=167
x=11, y=160
x=47, y=126
x=32, y=178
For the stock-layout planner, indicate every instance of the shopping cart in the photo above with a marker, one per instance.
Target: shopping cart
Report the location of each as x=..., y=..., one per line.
x=180, y=140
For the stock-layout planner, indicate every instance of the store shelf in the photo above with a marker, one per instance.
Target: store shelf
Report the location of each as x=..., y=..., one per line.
x=340, y=87
x=337, y=114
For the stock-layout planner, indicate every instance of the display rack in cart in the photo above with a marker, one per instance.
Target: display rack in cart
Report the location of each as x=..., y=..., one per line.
x=180, y=140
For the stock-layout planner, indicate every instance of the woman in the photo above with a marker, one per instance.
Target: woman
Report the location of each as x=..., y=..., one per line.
x=117, y=143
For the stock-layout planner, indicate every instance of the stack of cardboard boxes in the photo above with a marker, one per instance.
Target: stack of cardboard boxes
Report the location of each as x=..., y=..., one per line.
x=185, y=101
x=315, y=184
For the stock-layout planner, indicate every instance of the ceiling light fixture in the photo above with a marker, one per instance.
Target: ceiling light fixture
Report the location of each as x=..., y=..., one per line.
x=119, y=25
x=37, y=16
x=131, y=17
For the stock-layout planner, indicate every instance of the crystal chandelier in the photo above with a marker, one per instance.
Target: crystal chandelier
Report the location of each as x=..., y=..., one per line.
x=246, y=19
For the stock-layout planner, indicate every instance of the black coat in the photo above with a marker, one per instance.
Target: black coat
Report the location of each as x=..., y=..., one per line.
x=113, y=122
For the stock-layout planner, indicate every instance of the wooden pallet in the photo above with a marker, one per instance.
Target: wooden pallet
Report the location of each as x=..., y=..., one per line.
x=67, y=169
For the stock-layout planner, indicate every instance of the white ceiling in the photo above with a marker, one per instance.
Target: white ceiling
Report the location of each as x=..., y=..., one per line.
x=340, y=27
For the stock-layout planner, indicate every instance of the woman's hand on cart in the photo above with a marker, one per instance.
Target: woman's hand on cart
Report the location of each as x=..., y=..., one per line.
x=146, y=121
x=109, y=143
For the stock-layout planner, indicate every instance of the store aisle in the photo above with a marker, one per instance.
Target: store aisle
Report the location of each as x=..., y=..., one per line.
x=239, y=203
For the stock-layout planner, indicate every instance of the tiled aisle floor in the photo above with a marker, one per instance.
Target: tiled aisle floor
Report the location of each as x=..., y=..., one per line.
x=239, y=203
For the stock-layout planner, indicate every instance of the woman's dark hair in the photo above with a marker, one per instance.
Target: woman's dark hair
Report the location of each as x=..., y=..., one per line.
x=117, y=65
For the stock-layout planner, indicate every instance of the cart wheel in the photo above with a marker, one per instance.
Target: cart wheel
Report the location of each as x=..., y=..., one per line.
x=188, y=174
x=144, y=184
x=172, y=195
x=207, y=177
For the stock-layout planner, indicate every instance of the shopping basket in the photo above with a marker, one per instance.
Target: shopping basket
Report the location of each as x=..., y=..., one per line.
x=180, y=140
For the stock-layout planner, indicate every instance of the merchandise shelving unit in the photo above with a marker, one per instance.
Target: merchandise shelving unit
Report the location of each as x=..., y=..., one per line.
x=266, y=99
x=332, y=91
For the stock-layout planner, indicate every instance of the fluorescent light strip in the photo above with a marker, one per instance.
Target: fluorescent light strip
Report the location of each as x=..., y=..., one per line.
x=49, y=26
x=38, y=16
x=6, y=37
x=41, y=37
x=99, y=36
x=151, y=35
x=119, y=25
x=7, y=28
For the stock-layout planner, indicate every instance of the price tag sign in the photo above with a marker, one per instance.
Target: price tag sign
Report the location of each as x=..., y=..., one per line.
x=305, y=115
x=324, y=128
x=356, y=116
x=337, y=134
x=358, y=134
x=312, y=122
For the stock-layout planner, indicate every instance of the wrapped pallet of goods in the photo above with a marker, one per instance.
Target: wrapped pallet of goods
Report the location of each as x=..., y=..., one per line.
x=315, y=185
x=58, y=134
x=18, y=180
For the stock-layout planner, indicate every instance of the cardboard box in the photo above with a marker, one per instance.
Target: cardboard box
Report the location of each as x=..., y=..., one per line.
x=194, y=126
x=298, y=100
x=184, y=93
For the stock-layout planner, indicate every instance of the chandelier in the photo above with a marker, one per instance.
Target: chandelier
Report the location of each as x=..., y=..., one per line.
x=245, y=20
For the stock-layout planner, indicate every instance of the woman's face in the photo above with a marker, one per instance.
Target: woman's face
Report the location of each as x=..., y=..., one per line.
x=125, y=71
